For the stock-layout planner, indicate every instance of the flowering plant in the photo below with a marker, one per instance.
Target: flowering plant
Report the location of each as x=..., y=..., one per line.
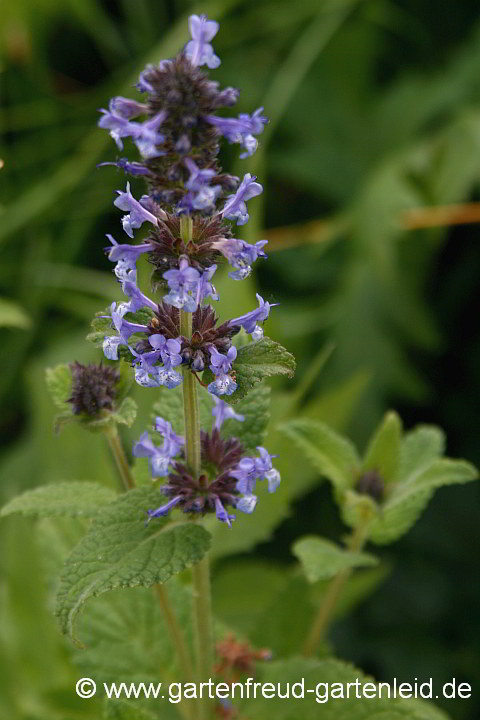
x=204, y=452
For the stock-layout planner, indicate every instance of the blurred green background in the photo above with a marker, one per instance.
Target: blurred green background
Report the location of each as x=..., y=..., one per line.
x=375, y=111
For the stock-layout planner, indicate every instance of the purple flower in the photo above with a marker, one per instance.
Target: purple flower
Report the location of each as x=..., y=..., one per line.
x=146, y=137
x=124, y=328
x=143, y=85
x=157, y=459
x=133, y=168
x=110, y=346
x=183, y=286
x=173, y=443
x=138, y=299
x=250, y=469
x=205, y=288
x=164, y=509
x=198, y=50
x=241, y=130
x=169, y=350
x=222, y=364
x=235, y=208
x=221, y=412
x=137, y=213
x=222, y=385
x=169, y=378
x=126, y=107
x=116, y=118
x=250, y=320
x=200, y=196
x=241, y=255
x=126, y=258
x=222, y=514
x=247, y=504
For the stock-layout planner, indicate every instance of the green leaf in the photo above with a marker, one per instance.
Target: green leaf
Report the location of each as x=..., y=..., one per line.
x=12, y=315
x=254, y=362
x=333, y=456
x=59, y=384
x=324, y=676
x=408, y=499
x=322, y=559
x=419, y=448
x=256, y=410
x=126, y=413
x=383, y=452
x=73, y=499
x=119, y=550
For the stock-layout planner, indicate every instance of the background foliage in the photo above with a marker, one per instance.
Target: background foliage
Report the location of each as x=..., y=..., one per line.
x=375, y=110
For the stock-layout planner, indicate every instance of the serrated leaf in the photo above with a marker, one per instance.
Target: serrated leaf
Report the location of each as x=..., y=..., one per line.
x=409, y=499
x=59, y=384
x=256, y=410
x=126, y=413
x=322, y=559
x=119, y=550
x=73, y=499
x=383, y=451
x=333, y=456
x=254, y=362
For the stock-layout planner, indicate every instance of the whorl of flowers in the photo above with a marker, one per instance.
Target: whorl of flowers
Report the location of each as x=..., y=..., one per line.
x=176, y=130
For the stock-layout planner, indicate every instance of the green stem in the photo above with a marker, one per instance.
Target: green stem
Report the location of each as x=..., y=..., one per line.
x=170, y=618
x=176, y=633
x=323, y=617
x=203, y=626
x=120, y=458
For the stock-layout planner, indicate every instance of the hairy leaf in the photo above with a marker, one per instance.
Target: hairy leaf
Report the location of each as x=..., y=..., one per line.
x=409, y=498
x=126, y=413
x=120, y=550
x=59, y=384
x=333, y=456
x=73, y=499
x=322, y=559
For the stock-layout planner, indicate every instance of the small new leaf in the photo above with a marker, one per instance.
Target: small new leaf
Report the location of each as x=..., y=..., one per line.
x=120, y=551
x=126, y=413
x=59, y=384
x=322, y=559
x=383, y=452
x=72, y=499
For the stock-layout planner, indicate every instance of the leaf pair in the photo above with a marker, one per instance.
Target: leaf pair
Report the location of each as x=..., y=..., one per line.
x=389, y=488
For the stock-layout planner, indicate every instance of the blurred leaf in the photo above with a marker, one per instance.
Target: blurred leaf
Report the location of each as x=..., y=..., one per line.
x=409, y=498
x=332, y=455
x=120, y=551
x=322, y=559
x=126, y=413
x=12, y=315
x=73, y=499
x=59, y=384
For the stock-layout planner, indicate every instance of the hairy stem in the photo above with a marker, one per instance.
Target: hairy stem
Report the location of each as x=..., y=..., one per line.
x=201, y=571
x=120, y=458
x=323, y=617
